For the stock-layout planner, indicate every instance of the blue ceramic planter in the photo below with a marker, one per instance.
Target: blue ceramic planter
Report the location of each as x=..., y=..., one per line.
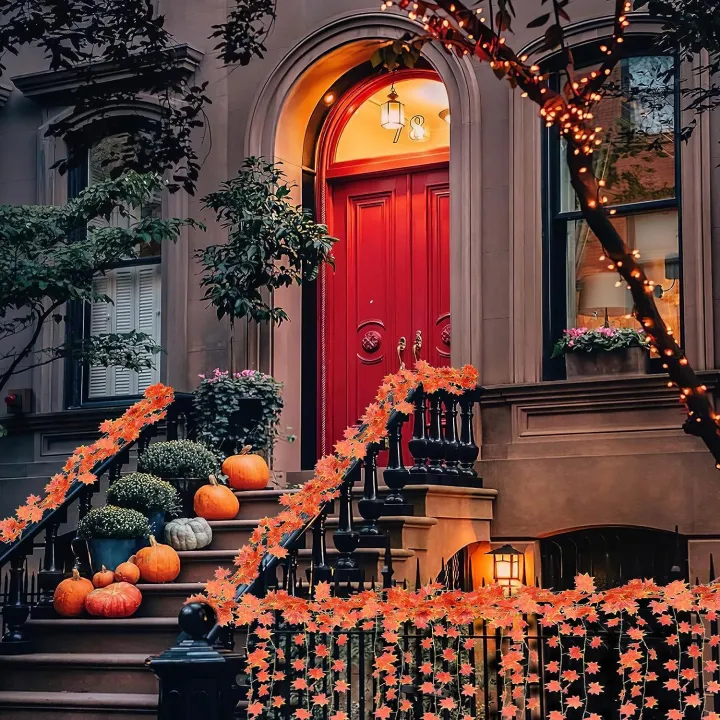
x=110, y=552
x=157, y=524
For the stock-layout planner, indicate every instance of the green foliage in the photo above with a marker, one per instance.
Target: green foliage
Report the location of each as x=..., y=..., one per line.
x=113, y=522
x=49, y=256
x=607, y=339
x=179, y=459
x=217, y=401
x=143, y=492
x=272, y=244
x=130, y=36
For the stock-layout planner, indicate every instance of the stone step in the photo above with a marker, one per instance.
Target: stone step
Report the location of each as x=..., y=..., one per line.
x=166, y=599
x=265, y=503
x=77, y=673
x=44, y=705
x=199, y=565
x=88, y=635
x=233, y=534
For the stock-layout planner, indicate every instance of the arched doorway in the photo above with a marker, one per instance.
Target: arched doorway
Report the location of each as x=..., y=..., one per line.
x=383, y=190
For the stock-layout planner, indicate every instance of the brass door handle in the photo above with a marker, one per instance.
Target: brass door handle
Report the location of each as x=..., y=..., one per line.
x=402, y=344
x=417, y=345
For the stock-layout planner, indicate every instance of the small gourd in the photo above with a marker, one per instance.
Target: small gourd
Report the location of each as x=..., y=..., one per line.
x=70, y=594
x=119, y=600
x=103, y=578
x=157, y=563
x=216, y=502
x=188, y=533
x=246, y=471
x=128, y=572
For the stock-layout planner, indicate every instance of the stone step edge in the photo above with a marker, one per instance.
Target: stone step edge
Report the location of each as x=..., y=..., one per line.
x=124, y=660
x=77, y=701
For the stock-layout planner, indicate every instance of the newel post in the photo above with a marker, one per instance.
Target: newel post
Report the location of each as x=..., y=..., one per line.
x=196, y=680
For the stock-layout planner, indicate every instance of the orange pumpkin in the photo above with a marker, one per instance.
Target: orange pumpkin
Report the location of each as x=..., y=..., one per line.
x=103, y=578
x=128, y=571
x=246, y=471
x=158, y=563
x=216, y=502
x=119, y=600
x=70, y=594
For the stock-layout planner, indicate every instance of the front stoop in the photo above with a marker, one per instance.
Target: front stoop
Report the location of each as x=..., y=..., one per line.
x=94, y=669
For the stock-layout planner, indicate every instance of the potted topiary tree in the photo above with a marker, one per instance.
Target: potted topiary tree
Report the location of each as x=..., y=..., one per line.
x=234, y=410
x=185, y=464
x=153, y=497
x=602, y=351
x=271, y=244
x=113, y=534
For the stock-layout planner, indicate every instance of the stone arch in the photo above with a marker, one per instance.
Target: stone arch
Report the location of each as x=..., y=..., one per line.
x=341, y=43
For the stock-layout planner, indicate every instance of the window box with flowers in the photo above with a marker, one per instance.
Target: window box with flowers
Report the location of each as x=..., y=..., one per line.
x=602, y=351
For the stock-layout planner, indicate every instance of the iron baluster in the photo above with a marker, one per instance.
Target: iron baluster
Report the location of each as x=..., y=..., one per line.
x=371, y=506
x=16, y=609
x=346, y=538
x=468, y=451
x=51, y=571
x=452, y=446
x=418, y=444
x=396, y=475
x=435, y=445
x=319, y=570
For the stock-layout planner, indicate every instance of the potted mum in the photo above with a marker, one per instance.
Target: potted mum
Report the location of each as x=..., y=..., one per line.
x=602, y=351
x=234, y=410
x=153, y=497
x=185, y=464
x=113, y=534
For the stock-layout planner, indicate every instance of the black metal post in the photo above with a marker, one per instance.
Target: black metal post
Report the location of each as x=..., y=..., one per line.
x=371, y=506
x=16, y=609
x=435, y=445
x=51, y=572
x=396, y=475
x=418, y=444
x=468, y=451
x=452, y=446
x=195, y=679
x=319, y=570
x=346, y=538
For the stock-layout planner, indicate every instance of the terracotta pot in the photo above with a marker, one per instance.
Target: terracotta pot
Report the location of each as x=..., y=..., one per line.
x=629, y=361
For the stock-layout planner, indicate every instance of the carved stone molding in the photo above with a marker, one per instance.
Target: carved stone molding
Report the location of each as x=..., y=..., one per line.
x=54, y=87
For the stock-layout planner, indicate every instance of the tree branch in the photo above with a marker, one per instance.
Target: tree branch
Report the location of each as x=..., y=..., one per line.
x=574, y=119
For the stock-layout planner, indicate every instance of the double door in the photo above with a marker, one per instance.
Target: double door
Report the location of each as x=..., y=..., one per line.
x=389, y=297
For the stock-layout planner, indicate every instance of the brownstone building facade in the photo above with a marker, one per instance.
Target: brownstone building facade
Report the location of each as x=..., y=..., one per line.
x=507, y=266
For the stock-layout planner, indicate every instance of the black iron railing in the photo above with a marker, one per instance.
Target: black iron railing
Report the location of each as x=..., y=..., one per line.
x=442, y=454
x=36, y=566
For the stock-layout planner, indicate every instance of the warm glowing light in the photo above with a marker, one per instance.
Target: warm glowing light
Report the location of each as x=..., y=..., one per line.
x=329, y=98
x=392, y=112
x=506, y=568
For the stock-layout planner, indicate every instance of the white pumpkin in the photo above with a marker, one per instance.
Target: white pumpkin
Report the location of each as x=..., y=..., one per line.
x=188, y=533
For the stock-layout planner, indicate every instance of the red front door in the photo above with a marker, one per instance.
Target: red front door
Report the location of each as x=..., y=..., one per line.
x=391, y=280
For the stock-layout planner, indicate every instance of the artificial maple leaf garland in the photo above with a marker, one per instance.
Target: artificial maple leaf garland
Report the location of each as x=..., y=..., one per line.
x=116, y=434
x=301, y=506
x=428, y=651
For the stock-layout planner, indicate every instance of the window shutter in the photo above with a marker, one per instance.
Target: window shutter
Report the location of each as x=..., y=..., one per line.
x=148, y=320
x=101, y=315
x=124, y=322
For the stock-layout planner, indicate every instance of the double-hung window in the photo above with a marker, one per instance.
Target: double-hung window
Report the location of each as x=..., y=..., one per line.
x=133, y=289
x=638, y=163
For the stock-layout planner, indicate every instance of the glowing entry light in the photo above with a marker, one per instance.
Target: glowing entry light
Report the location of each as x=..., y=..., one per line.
x=392, y=112
x=506, y=568
x=445, y=115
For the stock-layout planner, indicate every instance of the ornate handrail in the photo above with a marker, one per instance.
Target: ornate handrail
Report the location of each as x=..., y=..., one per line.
x=16, y=609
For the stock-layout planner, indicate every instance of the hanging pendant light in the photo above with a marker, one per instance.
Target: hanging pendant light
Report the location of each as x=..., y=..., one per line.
x=392, y=112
